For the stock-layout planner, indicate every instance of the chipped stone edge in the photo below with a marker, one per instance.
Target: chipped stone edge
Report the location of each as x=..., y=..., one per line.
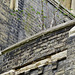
x=42, y=33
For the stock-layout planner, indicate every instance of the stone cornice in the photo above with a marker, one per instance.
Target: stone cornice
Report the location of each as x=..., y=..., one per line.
x=42, y=33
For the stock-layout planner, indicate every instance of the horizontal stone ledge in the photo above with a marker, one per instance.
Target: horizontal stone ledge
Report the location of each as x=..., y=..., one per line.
x=59, y=56
x=42, y=33
x=40, y=63
x=34, y=65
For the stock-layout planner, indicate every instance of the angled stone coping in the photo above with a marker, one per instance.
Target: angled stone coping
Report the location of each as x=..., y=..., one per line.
x=62, y=9
x=42, y=33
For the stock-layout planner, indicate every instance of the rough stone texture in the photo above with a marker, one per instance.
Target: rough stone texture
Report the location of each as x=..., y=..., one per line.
x=39, y=48
x=70, y=64
x=8, y=30
x=32, y=16
x=28, y=20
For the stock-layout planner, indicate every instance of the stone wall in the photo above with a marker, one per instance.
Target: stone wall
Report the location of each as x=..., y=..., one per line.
x=52, y=44
x=30, y=18
x=50, y=51
x=70, y=62
x=8, y=26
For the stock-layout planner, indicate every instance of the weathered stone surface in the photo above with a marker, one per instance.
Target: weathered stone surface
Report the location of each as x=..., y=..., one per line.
x=30, y=18
x=59, y=56
x=26, y=53
x=51, y=43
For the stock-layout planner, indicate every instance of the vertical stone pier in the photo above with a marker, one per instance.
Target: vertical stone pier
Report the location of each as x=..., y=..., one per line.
x=73, y=7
